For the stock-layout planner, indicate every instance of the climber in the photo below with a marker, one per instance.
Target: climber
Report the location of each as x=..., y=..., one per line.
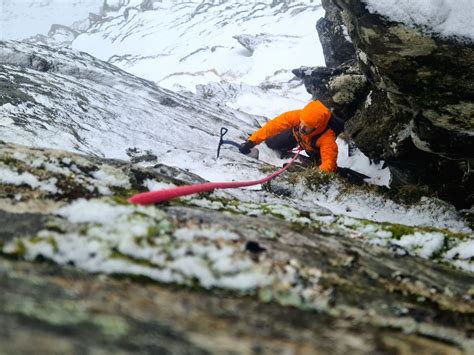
x=314, y=128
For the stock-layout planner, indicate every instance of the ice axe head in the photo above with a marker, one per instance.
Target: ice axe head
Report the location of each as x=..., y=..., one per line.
x=225, y=141
x=221, y=140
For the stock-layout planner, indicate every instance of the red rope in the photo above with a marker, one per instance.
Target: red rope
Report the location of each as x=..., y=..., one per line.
x=147, y=198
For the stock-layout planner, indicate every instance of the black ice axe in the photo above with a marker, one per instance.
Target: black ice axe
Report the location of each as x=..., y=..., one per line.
x=225, y=141
x=253, y=152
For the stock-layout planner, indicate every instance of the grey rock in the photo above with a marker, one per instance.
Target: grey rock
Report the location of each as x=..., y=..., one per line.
x=14, y=224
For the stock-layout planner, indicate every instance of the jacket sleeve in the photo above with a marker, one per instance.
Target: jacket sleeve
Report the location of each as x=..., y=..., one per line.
x=276, y=125
x=328, y=149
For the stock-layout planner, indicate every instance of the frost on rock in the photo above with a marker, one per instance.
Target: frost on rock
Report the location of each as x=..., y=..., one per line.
x=156, y=185
x=83, y=211
x=112, y=177
x=99, y=235
x=462, y=255
x=440, y=245
x=55, y=174
x=12, y=177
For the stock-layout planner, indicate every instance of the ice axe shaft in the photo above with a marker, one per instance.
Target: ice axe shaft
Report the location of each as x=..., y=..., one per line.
x=225, y=141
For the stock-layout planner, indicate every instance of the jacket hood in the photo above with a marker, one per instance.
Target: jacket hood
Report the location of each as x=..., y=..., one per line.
x=315, y=115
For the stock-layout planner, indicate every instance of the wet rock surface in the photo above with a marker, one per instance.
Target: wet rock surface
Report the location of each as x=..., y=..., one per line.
x=415, y=111
x=202, y=274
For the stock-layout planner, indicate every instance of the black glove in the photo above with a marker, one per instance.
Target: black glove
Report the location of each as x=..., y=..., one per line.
x=245, y=147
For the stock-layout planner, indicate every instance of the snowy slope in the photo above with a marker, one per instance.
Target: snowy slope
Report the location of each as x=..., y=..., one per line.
x=250, y=46
x=82, y=104
x=189, y=43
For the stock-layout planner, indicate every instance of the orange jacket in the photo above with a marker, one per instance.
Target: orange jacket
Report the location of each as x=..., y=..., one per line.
x=315, y=115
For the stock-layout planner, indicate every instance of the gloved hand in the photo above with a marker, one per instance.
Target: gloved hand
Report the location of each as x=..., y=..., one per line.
x=245, y=147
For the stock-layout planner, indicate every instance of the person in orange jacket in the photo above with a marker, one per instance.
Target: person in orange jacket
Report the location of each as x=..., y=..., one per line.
x=307, y=127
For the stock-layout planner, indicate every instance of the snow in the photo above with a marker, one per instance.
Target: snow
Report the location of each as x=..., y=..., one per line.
x=246, y=281
x=156, y=185
x=463, y=250
x=194, y=267
x=359, y=162
x=109, y=178
x=368, y=100
x=83, y=211
x=362, y=204
x=9, y=176
x=179, y=55
x=445, y=17
x=187, y=234
x=422, y=244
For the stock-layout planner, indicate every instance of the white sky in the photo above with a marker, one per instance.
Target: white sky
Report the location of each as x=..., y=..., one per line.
x=20, y=19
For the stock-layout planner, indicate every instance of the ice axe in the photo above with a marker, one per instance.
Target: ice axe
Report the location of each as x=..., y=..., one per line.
x=253, y=152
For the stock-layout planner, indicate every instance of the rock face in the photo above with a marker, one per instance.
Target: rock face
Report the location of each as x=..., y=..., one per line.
x=289, y=280
x=341, y=88
x=416, y=111
x=335, y=41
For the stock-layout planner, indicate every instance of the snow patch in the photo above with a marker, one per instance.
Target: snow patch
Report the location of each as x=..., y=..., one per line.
x=446, y=17
x=463, y=250
x=368, y=100
x=112, y=177
x=93, y=211
x=354, y=159
x=422, y=244
x=9, y=176
x=152, y=185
